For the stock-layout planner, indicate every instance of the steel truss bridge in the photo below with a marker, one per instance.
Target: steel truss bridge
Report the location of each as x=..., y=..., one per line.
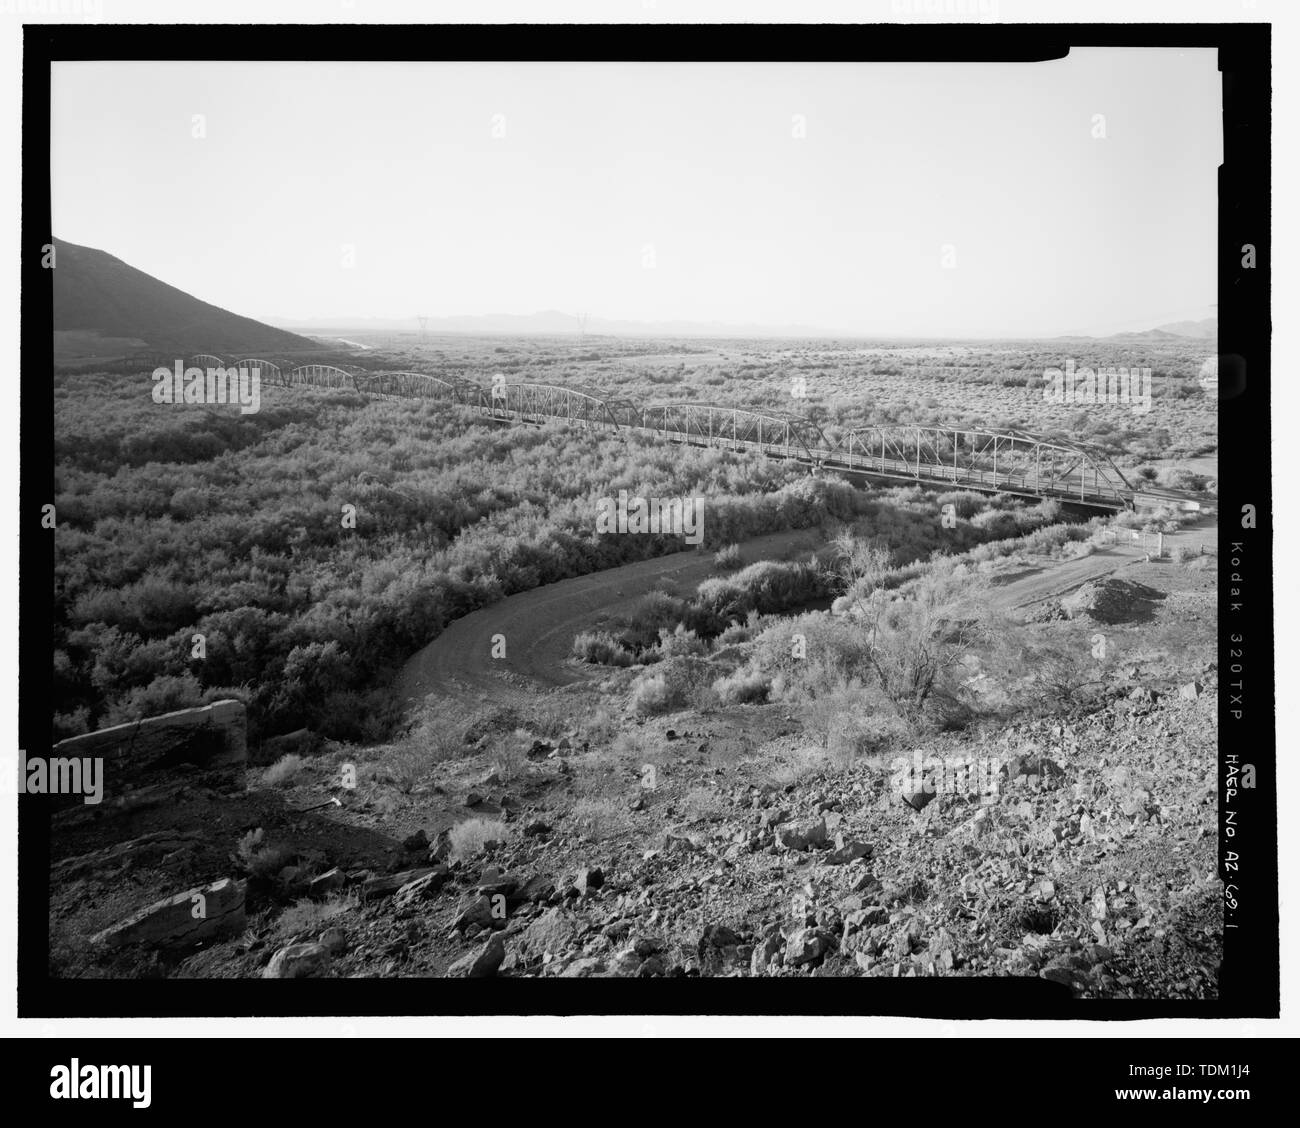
x=1016, y=462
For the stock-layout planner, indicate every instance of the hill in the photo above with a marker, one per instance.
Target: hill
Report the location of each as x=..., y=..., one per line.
x=105, y=309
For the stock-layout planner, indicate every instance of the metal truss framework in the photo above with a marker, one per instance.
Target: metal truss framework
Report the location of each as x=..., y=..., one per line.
x=420, y=385
x=1011, y=461
x=270, y=372
x=324, y=375
x=707, y=424
x=539, y=403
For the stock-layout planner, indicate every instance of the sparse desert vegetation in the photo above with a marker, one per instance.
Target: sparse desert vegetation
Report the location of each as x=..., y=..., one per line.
x=719, y=736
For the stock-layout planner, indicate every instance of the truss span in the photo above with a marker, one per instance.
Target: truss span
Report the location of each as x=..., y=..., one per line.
x=324, y=376
x=956, y=457
x=541, y=403
x=1011, y=462
x=420, y=385
x=707, y=424
x=269, y=373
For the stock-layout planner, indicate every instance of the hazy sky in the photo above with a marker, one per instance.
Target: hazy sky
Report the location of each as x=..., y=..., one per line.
x=605, y=168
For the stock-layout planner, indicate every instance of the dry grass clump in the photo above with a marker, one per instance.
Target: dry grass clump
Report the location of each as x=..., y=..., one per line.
x=473, y=836
x=283, y=770
x=308, y=916
x=600, y=818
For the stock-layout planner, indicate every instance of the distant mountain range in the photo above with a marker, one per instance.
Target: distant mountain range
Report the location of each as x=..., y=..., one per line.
x=549, y=323
x=554, y=323
x=1206, y=329
x=105, y=309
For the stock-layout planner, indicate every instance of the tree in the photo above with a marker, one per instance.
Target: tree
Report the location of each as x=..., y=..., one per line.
x=917, y=637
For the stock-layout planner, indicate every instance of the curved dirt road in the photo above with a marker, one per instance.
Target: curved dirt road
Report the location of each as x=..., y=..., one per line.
x=538, y=626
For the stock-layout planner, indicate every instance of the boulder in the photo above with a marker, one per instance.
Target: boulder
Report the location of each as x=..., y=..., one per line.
x=475, y=911
x=480, y=964
x=199, y=915
x=589, y=879
x=533, y=891
x=554, y=932
x=391, y=883
x=334, y=940
x=328, y=882
x=416, y=842
x=422, y=887
x=807, y=946
x=847, y=850
x=804, y=835
x=298, y=961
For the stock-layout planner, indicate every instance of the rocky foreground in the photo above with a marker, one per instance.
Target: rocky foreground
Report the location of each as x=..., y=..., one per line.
x=1091, y=862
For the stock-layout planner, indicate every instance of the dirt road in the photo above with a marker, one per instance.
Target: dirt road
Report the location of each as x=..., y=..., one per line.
x=537, y=627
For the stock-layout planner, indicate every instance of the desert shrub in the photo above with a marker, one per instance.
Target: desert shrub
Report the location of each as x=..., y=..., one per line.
x=1178, y=478
x=743, y=687
x=599, y=726
x=510, y=754
x=871, y=731
x=402, y=767
x=283, y=770
x=602, y=649
x=680, y=642
x=824, y=714
x=473, y=836
x=651, y=694
x=917, y=637
x=654, y=611
x=812, y=650
x=76, y=722
x=259, y=858
x=306, y=916
x=996, y=524
x=965, y=503
x=600, y=818
x=670, y=686
x=188, y=523
x=728, y=558
x=768, y=587
x=550, y=717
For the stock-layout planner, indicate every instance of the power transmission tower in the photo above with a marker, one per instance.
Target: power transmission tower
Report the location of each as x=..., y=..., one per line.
x=424, y=324
x=582, y=326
